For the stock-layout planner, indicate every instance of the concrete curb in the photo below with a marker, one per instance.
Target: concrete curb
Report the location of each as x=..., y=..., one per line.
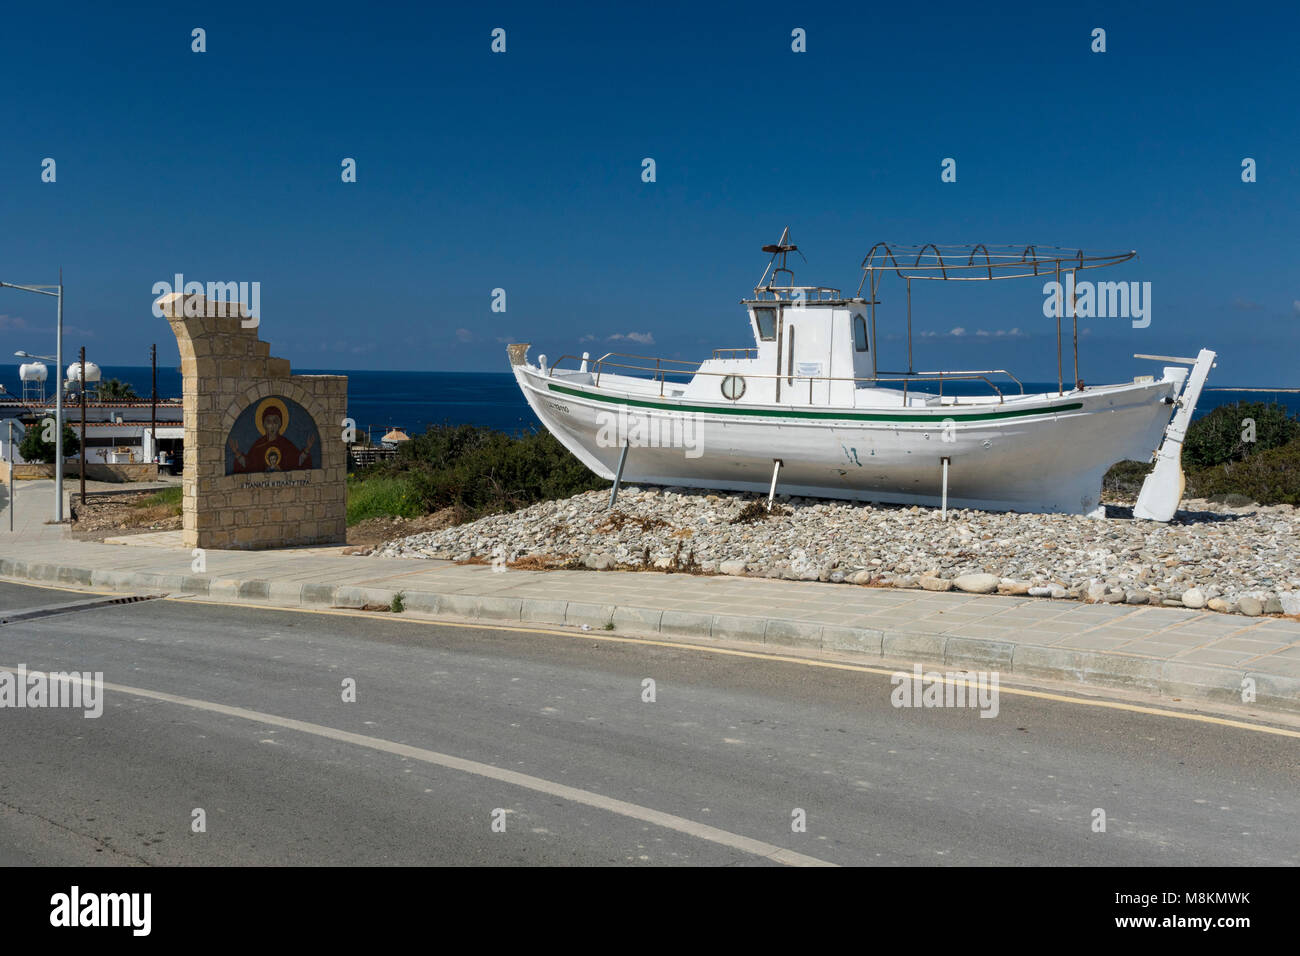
x=1166, y=678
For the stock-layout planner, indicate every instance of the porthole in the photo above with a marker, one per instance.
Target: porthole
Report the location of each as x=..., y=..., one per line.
x=733, y=386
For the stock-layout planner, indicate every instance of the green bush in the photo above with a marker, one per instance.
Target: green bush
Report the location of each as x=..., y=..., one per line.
x=1217, y=438
x=34, y=448
x=1125, y=477
x=1268, y=477
x=481, y=471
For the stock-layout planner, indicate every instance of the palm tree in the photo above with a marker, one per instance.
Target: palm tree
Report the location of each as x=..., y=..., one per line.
x=113, y=390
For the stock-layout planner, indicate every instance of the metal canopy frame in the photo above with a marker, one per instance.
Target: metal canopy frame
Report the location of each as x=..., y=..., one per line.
x=982, y=263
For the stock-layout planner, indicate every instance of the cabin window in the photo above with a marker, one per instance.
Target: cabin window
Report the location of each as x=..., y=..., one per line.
x=766, y=319
x=859, y=334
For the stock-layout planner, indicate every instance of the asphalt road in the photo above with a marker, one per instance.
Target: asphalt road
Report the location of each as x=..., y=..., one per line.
x=713, y=772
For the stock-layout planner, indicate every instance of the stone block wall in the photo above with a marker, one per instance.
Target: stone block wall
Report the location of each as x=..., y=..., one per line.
x=95, y=471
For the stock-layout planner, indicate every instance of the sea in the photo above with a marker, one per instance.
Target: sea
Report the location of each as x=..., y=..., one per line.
x=413, y=401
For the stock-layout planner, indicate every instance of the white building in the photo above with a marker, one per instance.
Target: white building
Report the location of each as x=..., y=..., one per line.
x=116, y=432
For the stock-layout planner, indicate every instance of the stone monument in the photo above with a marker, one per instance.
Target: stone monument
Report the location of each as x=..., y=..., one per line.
x=265, y=460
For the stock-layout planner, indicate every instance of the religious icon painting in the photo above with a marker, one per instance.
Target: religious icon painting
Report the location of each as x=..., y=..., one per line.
x=270, y=435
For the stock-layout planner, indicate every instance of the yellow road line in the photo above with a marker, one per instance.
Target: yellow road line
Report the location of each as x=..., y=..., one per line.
x=779, y=658
x=42, y=586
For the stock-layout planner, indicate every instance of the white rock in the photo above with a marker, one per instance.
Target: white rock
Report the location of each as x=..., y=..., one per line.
x=976, y=583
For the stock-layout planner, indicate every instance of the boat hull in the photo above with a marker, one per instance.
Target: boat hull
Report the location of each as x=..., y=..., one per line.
x=1043, y=454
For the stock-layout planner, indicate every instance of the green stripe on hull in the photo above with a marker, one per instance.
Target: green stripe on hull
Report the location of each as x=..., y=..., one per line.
x=831, y=416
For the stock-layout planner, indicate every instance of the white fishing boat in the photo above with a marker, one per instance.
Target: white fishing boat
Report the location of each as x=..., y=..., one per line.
x=805, y=410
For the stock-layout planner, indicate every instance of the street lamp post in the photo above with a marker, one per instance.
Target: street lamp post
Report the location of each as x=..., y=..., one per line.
x=58, y=386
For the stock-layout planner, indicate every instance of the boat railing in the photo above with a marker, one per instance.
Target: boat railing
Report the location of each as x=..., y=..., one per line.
x=747, y=353
x=661, y=369
x=797, y=293
x=966, y=375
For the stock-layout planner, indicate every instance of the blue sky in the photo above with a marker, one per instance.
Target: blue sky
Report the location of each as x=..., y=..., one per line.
x=522, y=171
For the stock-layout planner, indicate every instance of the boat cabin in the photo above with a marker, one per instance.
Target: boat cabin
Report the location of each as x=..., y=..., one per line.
x=806, y=351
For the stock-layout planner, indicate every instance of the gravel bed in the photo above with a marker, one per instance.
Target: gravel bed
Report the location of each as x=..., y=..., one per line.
x=1240, y=560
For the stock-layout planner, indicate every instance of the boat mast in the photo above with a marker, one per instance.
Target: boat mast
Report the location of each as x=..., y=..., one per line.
x=782, y=248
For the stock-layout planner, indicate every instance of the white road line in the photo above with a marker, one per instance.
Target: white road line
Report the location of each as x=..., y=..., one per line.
x=621, y=807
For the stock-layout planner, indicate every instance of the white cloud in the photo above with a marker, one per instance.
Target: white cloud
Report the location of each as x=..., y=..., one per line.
x=587, y=338
x=960, y=332
x=642, y=338
x=17, y=322
x=1296, y=306
x=464, y=335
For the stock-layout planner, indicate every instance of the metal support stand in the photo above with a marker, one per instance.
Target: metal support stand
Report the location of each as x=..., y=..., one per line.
x=776, y=470
x=1060, y=308
x=944, y=507
x=1074, y=317
x=618, y=476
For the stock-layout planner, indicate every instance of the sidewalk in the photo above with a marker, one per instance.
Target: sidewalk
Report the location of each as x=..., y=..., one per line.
x=34, y=516
x=1175, y=652
x=35, y=508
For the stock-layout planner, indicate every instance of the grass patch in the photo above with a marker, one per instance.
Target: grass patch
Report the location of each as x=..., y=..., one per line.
x=383, y=496
x=168, y=499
